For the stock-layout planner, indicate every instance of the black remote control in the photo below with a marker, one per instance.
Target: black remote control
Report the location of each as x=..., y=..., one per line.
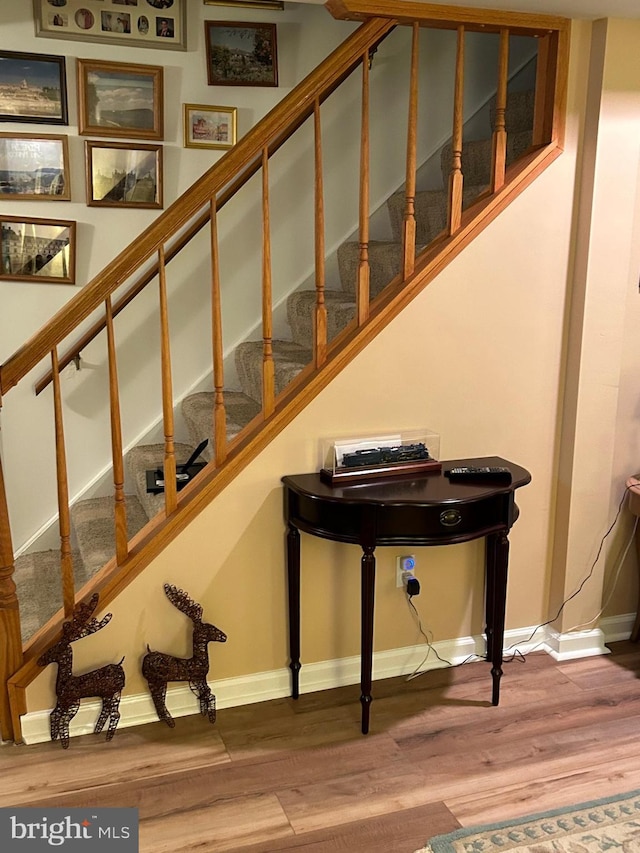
x=497, y=474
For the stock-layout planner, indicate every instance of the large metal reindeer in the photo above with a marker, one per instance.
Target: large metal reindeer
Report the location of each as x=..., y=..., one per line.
x=105, y=683
x=159, y=668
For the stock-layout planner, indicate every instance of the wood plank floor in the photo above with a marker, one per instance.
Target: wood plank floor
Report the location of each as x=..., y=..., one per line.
x=299, y=776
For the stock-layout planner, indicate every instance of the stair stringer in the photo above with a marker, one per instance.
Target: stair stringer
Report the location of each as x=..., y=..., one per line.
x=161, y=530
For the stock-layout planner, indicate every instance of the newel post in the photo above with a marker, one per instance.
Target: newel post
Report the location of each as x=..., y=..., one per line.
x=10, y=636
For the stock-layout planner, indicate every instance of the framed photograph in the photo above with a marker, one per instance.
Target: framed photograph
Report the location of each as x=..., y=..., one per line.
x=123, y=174
x=138, y=23
x=37, y=249
x=117, y=99
x=33, y=87
x=34, y=168
x=249, y=4
x=209, y=127
x=241, y=54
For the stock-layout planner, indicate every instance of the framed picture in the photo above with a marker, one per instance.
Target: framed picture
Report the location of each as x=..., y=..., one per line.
x=37, y=249
x=33, y=87
x=209, y=127
x=123, y=174
x=138, y=23
x=241, y=54
x=249, y=4
x=34, y=167
x=117, y=99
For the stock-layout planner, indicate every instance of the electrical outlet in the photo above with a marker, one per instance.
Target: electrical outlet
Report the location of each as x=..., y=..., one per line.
x=406, y=563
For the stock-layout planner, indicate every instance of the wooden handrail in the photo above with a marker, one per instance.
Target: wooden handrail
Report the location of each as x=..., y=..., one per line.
x=295, y=108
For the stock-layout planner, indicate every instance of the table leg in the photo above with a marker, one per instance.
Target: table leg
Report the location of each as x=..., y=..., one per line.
x=368, y=567
x=489, y=593
x=500, y=550
x=293, y=575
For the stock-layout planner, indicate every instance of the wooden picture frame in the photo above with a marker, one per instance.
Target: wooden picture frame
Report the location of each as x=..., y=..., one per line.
x=123, y=174
x=159, y=24
x=34, y=167
x=207, y=126
x=42, y=250
x=241, y=53
x=120, y=99
x=33, y=88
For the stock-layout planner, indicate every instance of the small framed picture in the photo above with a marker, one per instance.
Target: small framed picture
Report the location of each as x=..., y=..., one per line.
x=159, y=24
x=118, y=99
x=41, y=250
x=123, y=174
x=33, y=87
x=241, y=54
x=34, y=168
x=209, y=127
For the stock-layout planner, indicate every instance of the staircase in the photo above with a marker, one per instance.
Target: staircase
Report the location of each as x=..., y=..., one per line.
x=276, y=378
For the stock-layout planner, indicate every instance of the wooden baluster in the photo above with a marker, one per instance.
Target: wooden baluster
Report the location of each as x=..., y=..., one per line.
x=544, y=125
x=320, y=325
x=499, y=143
x=219, y=412
x=10, y=635
x=170, y=490
x=364, y=271
x=66, y=562
x=268, y=367
x=456, y=178
x=120, y=507
x=409, y=231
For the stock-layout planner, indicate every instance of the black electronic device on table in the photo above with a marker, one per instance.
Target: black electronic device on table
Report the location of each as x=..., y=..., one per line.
x=468, y=473
x=184, y=473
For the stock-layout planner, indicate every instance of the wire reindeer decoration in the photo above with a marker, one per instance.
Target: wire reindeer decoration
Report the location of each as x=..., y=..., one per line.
x=105, y=683
x=159, y=668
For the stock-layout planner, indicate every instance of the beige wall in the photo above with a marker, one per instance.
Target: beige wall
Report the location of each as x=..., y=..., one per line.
x=484, y=350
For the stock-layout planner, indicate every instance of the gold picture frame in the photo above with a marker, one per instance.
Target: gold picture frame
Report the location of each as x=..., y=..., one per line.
x=34, y=167
x=249, y=4
x=208, y=126
x=120, y=99
x=36, y=249
x=123, y=174
x=159, y=24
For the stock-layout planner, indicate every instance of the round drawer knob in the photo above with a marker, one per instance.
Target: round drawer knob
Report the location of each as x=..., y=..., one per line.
x=450, y=517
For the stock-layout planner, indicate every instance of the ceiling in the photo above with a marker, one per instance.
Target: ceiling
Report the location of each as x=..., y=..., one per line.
x=566, y=8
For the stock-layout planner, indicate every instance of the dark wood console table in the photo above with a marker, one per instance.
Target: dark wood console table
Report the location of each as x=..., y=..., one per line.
x=424, y=510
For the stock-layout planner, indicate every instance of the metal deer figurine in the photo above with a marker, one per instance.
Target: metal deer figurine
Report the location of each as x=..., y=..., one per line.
x=105, y=683
x=159, y=668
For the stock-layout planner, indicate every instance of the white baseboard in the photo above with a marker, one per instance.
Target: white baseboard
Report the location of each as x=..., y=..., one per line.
x=275, y=684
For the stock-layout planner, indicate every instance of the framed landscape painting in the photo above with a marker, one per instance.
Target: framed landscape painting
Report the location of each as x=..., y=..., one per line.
x=119, y=99
x=123, y=174
x=33, y=88
x=209, y=127
x=37, y=249
x=241, y=54
x=34, y=168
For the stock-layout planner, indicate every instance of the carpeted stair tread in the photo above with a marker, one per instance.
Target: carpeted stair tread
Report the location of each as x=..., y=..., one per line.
x=146, y=457
x=93, y=523
x=289, y=359
x=39, y=587
x=385, y=263
x=430, y=211
x=197, y=410
x=476, y=157
x=341, y=309
x=519, y=112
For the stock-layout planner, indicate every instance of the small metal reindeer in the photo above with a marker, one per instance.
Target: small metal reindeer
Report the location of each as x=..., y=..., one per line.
x=105, y=683
x=159, y=668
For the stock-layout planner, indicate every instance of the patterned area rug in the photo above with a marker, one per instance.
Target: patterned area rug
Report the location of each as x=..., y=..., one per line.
x=611, y=825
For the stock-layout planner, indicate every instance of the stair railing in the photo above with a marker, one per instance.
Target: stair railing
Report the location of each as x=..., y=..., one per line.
x=148, y=256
